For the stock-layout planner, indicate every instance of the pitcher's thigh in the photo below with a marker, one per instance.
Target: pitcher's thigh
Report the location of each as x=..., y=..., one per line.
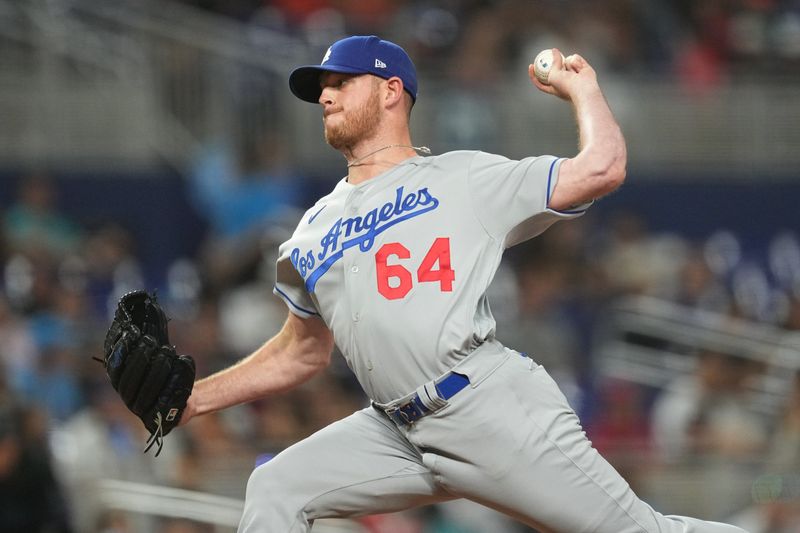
x=356, y=466
x=534, y=462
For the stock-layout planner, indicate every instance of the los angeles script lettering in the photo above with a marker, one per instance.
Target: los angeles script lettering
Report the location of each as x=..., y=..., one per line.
x=361, y=231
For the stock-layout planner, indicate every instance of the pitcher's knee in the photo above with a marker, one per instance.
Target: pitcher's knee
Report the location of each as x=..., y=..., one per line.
x=272, y=502
x=264, y=481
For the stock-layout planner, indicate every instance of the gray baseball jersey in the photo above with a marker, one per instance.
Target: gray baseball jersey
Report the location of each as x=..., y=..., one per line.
x=397, y=266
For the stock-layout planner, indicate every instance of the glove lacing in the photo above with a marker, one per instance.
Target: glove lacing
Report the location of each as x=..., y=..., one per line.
x=156, y=436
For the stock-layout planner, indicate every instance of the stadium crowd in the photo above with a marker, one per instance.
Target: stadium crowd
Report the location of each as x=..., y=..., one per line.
x=704, y=41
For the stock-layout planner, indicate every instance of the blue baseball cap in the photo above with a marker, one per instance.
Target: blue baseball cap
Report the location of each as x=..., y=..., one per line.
x=360, y=54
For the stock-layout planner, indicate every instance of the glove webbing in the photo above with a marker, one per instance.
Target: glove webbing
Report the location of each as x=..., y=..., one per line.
x=157, y=435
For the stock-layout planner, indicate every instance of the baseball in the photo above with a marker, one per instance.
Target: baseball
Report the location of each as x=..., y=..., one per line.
x=542, y=65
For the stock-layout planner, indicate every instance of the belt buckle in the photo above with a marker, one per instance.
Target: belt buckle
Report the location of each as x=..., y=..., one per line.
x=393, y=414
x=406, y=414
x=410, y=412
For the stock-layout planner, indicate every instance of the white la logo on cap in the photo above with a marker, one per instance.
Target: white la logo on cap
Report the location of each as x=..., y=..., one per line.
x=327, y=56
x=379, y=63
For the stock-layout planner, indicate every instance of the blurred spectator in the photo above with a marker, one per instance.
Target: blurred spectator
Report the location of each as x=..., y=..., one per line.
x=783, y=456
x=542, y=328
x=777, y=493
x=31, y=500
x=776, y=506
x=179, y=525
x=637, y=261
x=328, y=400
x=299, y=11
x=708, y=436
x=111, y=267
x=41, y=356
x=56, y=386
x=285, y=419
x=708, y=413
x=102, y=441
x=239, y=195
x=18, y=351
x=406, y=522
x=466, y=118
x=199, y=334
x=699, y=288
x=242, y=199
x=363, y=17
x=113, y=522
x=30, y=279
x=248, y=312
x=704, y=52
x=461, y=516
x=63, y=333
x=34, y=224
x=792, y=320
x=280, y=422
x=621, y=430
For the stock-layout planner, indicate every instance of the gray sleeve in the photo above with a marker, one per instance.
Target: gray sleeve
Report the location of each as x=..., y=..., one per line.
x=510, y=197
x=290, y=287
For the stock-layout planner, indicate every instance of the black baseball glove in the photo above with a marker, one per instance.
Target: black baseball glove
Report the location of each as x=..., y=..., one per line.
x=153, y=381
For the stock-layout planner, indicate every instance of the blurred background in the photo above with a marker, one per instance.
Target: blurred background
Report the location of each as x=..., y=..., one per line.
x=154, y=144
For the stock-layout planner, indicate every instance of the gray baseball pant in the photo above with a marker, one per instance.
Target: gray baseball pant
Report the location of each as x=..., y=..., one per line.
x=509, y=441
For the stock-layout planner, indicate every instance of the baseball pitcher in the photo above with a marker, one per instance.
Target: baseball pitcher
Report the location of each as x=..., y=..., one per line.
x=392, y=266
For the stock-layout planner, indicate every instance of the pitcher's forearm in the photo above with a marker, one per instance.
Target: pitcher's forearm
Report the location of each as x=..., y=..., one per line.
x=299, y=351
x=272, y=369
x=600, y=165
x=602, y=145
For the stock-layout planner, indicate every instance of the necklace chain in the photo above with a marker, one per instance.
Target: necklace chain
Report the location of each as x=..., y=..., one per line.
x=422, y=149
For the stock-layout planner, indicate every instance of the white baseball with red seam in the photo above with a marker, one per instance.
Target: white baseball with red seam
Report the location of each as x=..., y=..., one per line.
x=543, y=63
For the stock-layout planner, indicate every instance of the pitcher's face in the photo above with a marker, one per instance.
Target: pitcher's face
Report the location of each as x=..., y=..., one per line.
x=351, y=108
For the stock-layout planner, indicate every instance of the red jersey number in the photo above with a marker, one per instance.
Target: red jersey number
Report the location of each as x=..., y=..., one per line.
x=394, y=281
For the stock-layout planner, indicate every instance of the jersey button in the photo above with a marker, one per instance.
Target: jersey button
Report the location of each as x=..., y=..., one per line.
x=356, y=316
x=354, y=269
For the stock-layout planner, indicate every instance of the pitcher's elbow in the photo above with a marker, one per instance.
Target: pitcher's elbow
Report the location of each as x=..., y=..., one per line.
x=617, y=173
x=614, y=172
